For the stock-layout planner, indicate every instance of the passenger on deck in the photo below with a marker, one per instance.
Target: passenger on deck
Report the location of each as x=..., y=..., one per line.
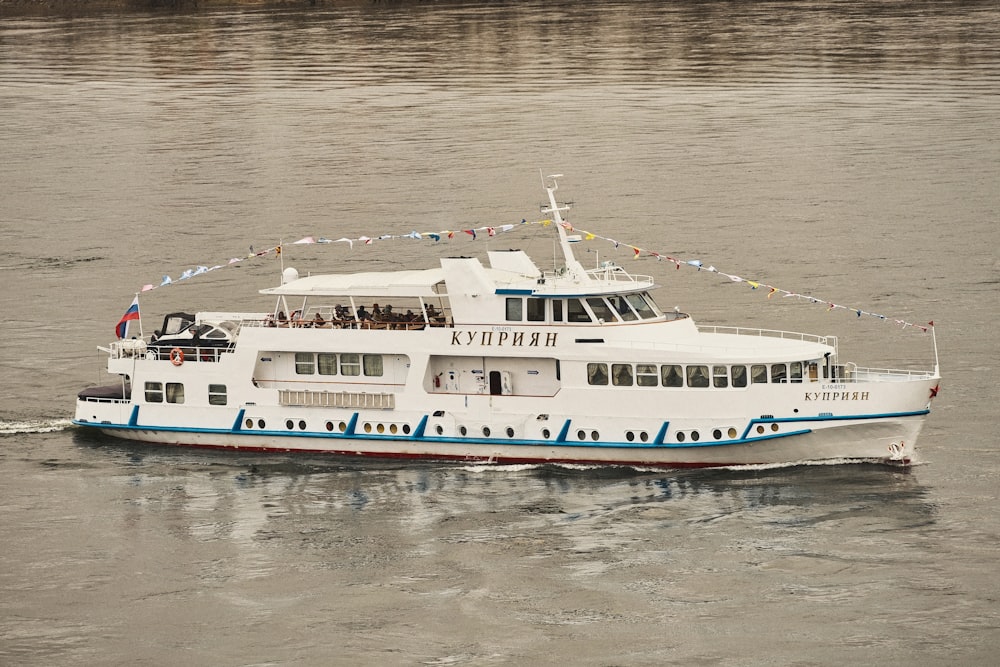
x=363, y=314
x=318, y=320
x=282, y=319
x=376, y=312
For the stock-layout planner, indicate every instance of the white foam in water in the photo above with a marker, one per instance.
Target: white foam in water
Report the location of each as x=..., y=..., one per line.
x=34, y=426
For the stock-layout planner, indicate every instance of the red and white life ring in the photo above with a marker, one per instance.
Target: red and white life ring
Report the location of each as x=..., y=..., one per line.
x=177, y=356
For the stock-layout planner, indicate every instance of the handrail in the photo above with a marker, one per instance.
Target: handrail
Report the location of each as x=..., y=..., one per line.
x=770, y=333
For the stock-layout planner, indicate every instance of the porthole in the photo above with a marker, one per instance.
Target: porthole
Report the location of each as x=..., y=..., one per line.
x=406, y=429
x=732, y=432
x=249, y=423
x=695, y=436
x=594, y=435
x=439, y=429
x=486, y=431
x=380, y=428
x=302, y=424
x=717, y=434
x=289, y=424
x=774, y=427
x=463, y=430
x=760, y=429
x=643, y=436
x=680, y=437
x=545, y=433
x=260, y=423
x=329, y=426
x=393, y=428
x=581, y=435
x=510, y=431
x=342, y=427
x=368, y=427
x=630, y=436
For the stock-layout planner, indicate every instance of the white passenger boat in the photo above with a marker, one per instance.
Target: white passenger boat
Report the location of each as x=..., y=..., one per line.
x=502, y=362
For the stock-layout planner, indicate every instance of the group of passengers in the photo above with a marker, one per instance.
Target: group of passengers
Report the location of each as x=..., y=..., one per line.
x=342, y=317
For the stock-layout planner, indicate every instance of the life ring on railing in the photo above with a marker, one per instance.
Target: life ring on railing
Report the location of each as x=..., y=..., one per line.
x=177, y=356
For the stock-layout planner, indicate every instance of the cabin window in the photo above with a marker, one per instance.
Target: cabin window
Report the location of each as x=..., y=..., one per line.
x=515, y=305
x=350, y=364
x=216, y=394
x=373, y=365
x=758, y=374
x=638, y=301
x=557, y=310
x=813, y=371
x=779, y=373
x=601, y=309
x=175, y=392
x=536, y=310
x=697, y=376
x=326, y=363
x=739, y=374
x=671, y=375
x=597, y=373
x=646, y=375
x=575, y=312
x=796, y=371
x=154, y=392
x=621, y=375
x=305, y=363
x=720, y=377
x=620, y=304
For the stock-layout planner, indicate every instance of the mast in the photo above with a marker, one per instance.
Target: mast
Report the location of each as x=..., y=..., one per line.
x=573, y=268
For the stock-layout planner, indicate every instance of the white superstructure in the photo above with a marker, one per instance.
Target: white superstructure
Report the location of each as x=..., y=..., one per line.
x=502, y=363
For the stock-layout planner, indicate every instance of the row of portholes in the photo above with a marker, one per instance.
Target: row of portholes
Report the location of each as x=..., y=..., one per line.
x=695, y=436
x=486, y=430
x=367, y=427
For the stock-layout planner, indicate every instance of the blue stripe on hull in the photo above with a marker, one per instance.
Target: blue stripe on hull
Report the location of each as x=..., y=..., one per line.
x=560, y=440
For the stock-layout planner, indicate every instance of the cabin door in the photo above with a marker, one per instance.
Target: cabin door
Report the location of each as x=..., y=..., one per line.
x=500, y=383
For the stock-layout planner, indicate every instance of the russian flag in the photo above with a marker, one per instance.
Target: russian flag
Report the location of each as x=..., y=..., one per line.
x=121, y=329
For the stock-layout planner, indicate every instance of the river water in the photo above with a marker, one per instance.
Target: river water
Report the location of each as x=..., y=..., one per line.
x=844, y=149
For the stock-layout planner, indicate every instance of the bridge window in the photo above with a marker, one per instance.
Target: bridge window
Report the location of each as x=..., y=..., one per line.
x=620, y=304
x=557, y=310
x=575, y=312
x=515, y=306
x=697, y=376
x=779, y=373
x=796, y=371
x=601, y=309
x=154, y=392
x=304, y=363
x=646, y=375
x=639, y=302
x=671, y=375
x=596, y=374
x=216, y=394
x=739, y=374
x=536, y=310
x=758, y=374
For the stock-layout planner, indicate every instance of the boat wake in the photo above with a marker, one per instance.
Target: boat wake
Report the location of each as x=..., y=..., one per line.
x=34, y=426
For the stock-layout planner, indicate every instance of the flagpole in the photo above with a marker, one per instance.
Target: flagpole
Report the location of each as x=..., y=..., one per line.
x=139, y=310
